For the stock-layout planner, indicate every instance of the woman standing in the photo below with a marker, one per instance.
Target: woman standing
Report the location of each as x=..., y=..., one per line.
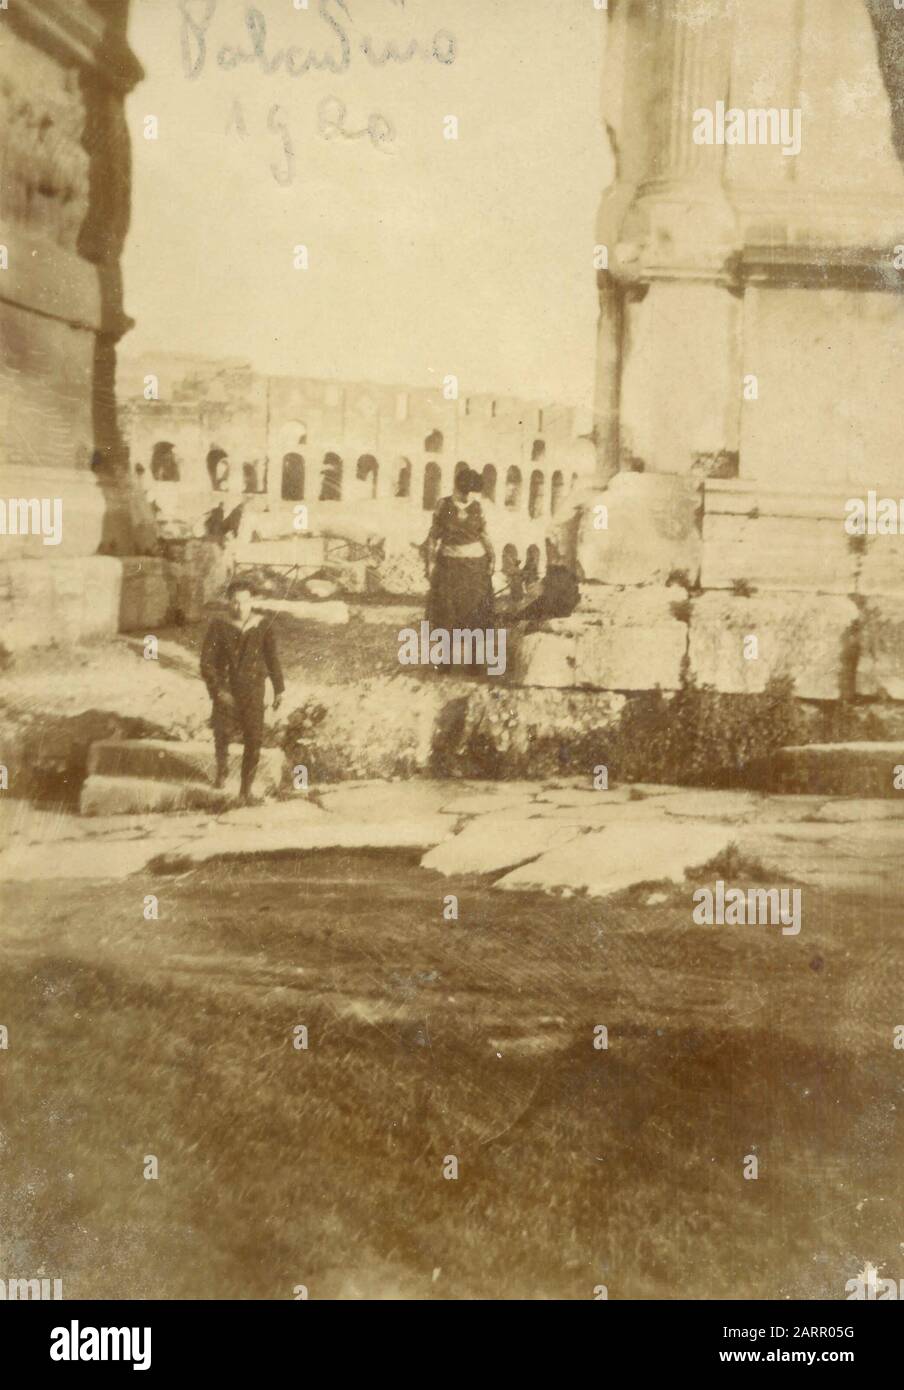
x=460, y=560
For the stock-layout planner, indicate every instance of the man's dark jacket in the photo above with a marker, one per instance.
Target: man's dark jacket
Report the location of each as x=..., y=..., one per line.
x=237, y=662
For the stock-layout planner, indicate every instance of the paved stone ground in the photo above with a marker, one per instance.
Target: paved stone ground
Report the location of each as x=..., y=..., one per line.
x=557, y=837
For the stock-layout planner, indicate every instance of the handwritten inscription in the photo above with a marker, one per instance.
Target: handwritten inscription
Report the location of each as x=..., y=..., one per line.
x=343, y=43
x=331, y=125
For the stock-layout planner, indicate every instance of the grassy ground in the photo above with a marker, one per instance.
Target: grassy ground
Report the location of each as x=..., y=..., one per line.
x=430, y=1038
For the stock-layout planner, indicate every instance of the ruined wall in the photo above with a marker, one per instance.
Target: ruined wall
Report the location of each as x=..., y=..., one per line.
x=352, y=444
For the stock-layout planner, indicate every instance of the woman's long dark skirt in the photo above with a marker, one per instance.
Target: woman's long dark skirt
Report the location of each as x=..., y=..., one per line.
x=461, y=596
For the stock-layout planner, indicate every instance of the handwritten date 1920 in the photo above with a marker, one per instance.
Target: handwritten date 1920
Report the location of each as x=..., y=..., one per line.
x=296, y=60
x=331, y=116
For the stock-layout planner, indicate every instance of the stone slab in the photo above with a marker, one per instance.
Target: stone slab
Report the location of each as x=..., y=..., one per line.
x=372, y=801
x=608, y=861
x=867, y=858
x=488, y=847
x=239, y=841
x=81, y=859
x=806, y=637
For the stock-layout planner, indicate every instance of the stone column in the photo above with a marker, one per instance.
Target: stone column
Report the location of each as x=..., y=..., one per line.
x=64, y=210
x=667, y=398
x=64, y=72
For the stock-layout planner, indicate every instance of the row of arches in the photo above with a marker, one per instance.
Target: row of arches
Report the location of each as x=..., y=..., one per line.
x=539, y=500
x=544, y=493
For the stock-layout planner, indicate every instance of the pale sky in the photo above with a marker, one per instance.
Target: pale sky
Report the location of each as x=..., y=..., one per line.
x=426, y=256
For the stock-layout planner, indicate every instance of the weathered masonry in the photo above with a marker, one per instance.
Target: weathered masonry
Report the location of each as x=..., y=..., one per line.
x=65, y=69
x=751, y=350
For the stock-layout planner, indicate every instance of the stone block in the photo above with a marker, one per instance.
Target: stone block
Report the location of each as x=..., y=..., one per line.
x=124, y=796
x=864, y=769
x=62, y=601
x=651, y=530
x=772, y=539
x=146, y=596
x=547, y=659
x=633, y=640
x=806, y=637
x=163, y=761
x=880, y=671
x=881, y=565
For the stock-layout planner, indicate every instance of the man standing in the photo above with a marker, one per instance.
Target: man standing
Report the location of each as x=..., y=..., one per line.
x=238, y=655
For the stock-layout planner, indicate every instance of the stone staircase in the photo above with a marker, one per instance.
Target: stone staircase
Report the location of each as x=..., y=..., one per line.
x=134, y=776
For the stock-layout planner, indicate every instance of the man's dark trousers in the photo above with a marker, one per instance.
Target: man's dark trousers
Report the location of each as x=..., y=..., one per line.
x=238, y=723
x=235, y=662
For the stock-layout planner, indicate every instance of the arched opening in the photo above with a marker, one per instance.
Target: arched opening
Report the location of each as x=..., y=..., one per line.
x=432, y=483
x=538, y=449
x=366, y=473
x=532, y=564
x=293, y=478
x=509, y=558
x=433, y=444
x=164, y=466
x=535, y=495
x=331, y=479
x=251, y=476
x=513, y=488
x=489, y=482
x=511, y=569
x=217, y=467
x=403, y=479
x=557, y=492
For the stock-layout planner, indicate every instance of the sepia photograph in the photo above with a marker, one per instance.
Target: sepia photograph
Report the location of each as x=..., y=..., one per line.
x=452, y=738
